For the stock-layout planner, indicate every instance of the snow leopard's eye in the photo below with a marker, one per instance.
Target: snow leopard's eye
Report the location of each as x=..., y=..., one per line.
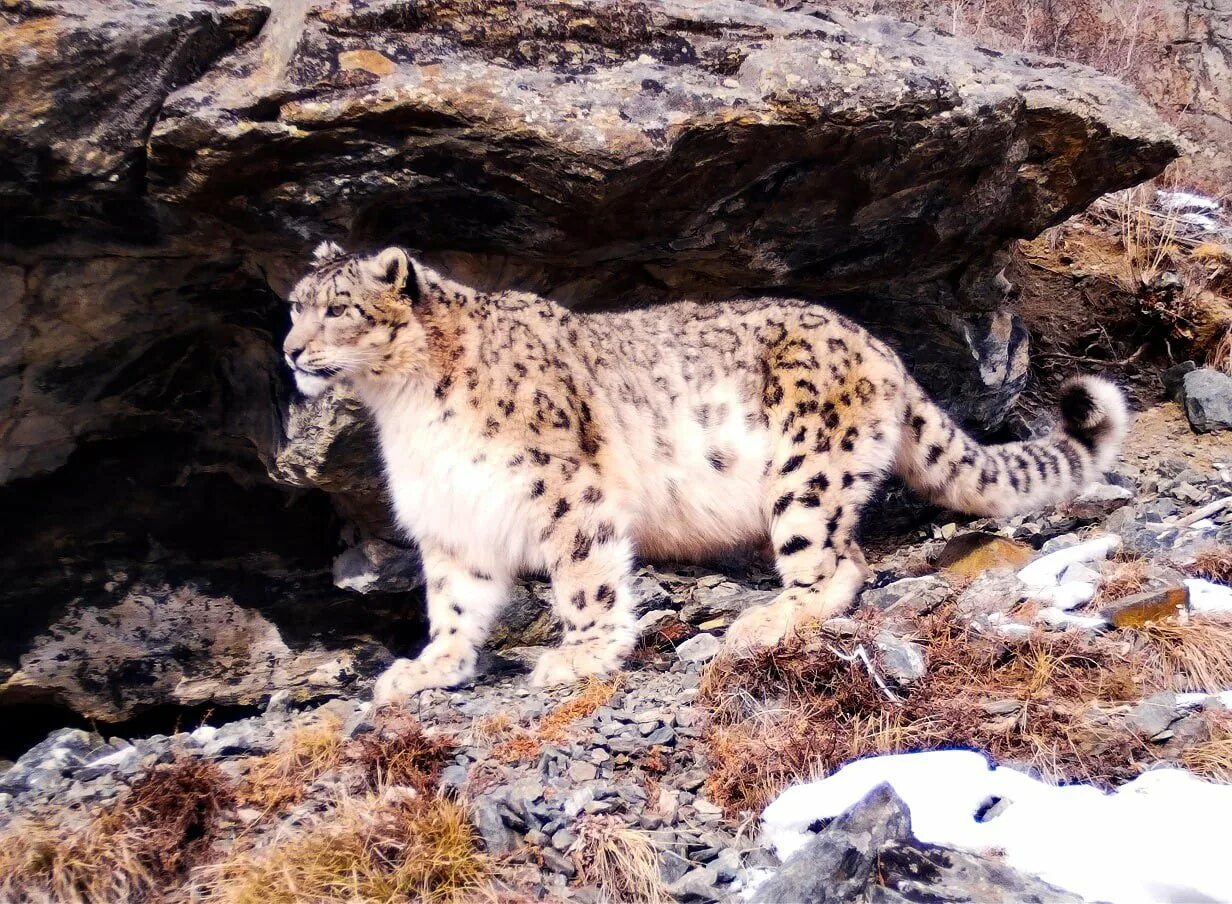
x=335, y=310
x=297, y=307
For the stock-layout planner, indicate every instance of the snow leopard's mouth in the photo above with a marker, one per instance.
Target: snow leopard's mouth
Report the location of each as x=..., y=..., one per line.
x=310, y=384
x=311, y=381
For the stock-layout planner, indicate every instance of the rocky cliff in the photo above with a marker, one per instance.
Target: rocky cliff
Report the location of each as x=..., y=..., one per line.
x=171, y=511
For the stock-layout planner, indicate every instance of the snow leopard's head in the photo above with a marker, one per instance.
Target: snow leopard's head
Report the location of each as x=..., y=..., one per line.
x=353, y=316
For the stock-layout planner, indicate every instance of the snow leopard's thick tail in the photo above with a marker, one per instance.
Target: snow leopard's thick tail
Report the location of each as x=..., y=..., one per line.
x=941, y=462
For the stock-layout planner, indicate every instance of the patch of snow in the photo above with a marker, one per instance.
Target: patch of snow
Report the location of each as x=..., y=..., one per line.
x=1065, y=596
x=1059, y=618
x=1185, y=200
x=361, y=582
x=1046, y=570
x=1190, y=700
x=1158, y=838
x=1208, y=598
x=1013, y=630
x=1200, y=221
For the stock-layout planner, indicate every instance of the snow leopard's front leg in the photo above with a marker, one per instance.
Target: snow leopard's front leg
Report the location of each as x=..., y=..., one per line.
x=462, y=603
x=591, y=558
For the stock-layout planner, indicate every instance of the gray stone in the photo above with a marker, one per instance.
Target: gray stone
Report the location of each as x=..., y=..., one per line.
x=700, y=884
x=992, y=592
x=497, y=837
x=582, y=771
x=726, y=600
x=557, y=862
x=661, y=737
x=374, y=566
x=1099, y=501
x=1206, y=395
x=1153, y=715
x=908, y=597
x=699, y=649
x=869, y=854
x=1174, y=378
x=903, y=660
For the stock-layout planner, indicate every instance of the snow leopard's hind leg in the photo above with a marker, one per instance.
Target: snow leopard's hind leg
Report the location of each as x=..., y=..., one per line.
x=836, y=430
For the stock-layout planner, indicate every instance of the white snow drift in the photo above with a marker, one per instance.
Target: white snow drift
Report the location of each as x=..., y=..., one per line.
x=1159, y=838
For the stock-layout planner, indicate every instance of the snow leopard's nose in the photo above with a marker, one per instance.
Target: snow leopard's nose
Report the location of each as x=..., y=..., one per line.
x=292, y=356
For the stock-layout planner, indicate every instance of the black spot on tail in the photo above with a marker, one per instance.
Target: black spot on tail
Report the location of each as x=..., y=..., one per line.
x=1084, y=420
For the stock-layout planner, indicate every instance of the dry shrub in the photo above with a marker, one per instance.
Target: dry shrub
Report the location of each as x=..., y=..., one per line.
x=1126, y=577
x=1212, y=758
x=811, y=705
x=1219, y=356
x=492, y=728
x=281, y=779
x=1212, y=253
x=379, y=849
x=1194, y=656
x=1214, y=563
x=524, y=743
x=618, y=859
x=130, y=851
x=594, y=694
x=398, y=752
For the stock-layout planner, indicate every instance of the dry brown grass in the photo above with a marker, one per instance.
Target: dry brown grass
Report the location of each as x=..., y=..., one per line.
x=594, y=694
x=131, y=851
x=807, y=707
x=386, y=848
x=493, y=728
x=281, y=779
x=1214, y=563
x=399, y=752
x=1212, y=758
x=1195, y=656
x=1126, y=577
x=525, y=743
x=621, y=861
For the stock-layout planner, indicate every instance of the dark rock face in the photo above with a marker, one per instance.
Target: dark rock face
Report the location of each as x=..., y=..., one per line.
x=869, y=854
x=1207, y=397
x=165, y=167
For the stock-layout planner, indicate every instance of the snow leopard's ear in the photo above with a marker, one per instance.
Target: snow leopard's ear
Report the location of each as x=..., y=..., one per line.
x=394, y=267
x=326, y=252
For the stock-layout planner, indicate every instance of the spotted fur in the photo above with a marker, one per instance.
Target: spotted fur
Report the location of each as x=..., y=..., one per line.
x=519, y=436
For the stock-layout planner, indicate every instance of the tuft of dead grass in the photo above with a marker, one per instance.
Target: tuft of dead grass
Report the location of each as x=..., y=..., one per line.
x=399, y=752
x=395, y=845
x=552, y=728
x=1126, y=577
x=1212, y=758
x=281, y=779
x=1214, y=563
x=807, y=707
x=595, y=693
x=1194, y=656
x=620, y=860
x=493, y=728
x=130, y=851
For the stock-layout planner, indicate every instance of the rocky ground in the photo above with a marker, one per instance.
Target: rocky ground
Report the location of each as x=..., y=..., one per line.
x=641, y=764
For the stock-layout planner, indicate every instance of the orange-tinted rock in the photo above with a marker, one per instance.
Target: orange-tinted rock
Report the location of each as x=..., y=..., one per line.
x=368, y=60
x=970, y=555
x=1153, y=605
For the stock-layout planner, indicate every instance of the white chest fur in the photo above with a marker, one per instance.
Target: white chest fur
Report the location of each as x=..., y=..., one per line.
x=451, y=487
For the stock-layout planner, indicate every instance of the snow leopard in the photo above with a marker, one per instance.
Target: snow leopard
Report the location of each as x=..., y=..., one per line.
x=519, y=436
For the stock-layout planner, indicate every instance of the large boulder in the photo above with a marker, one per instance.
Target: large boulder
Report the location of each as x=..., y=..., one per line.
x=165, y=167
x=870, y=854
